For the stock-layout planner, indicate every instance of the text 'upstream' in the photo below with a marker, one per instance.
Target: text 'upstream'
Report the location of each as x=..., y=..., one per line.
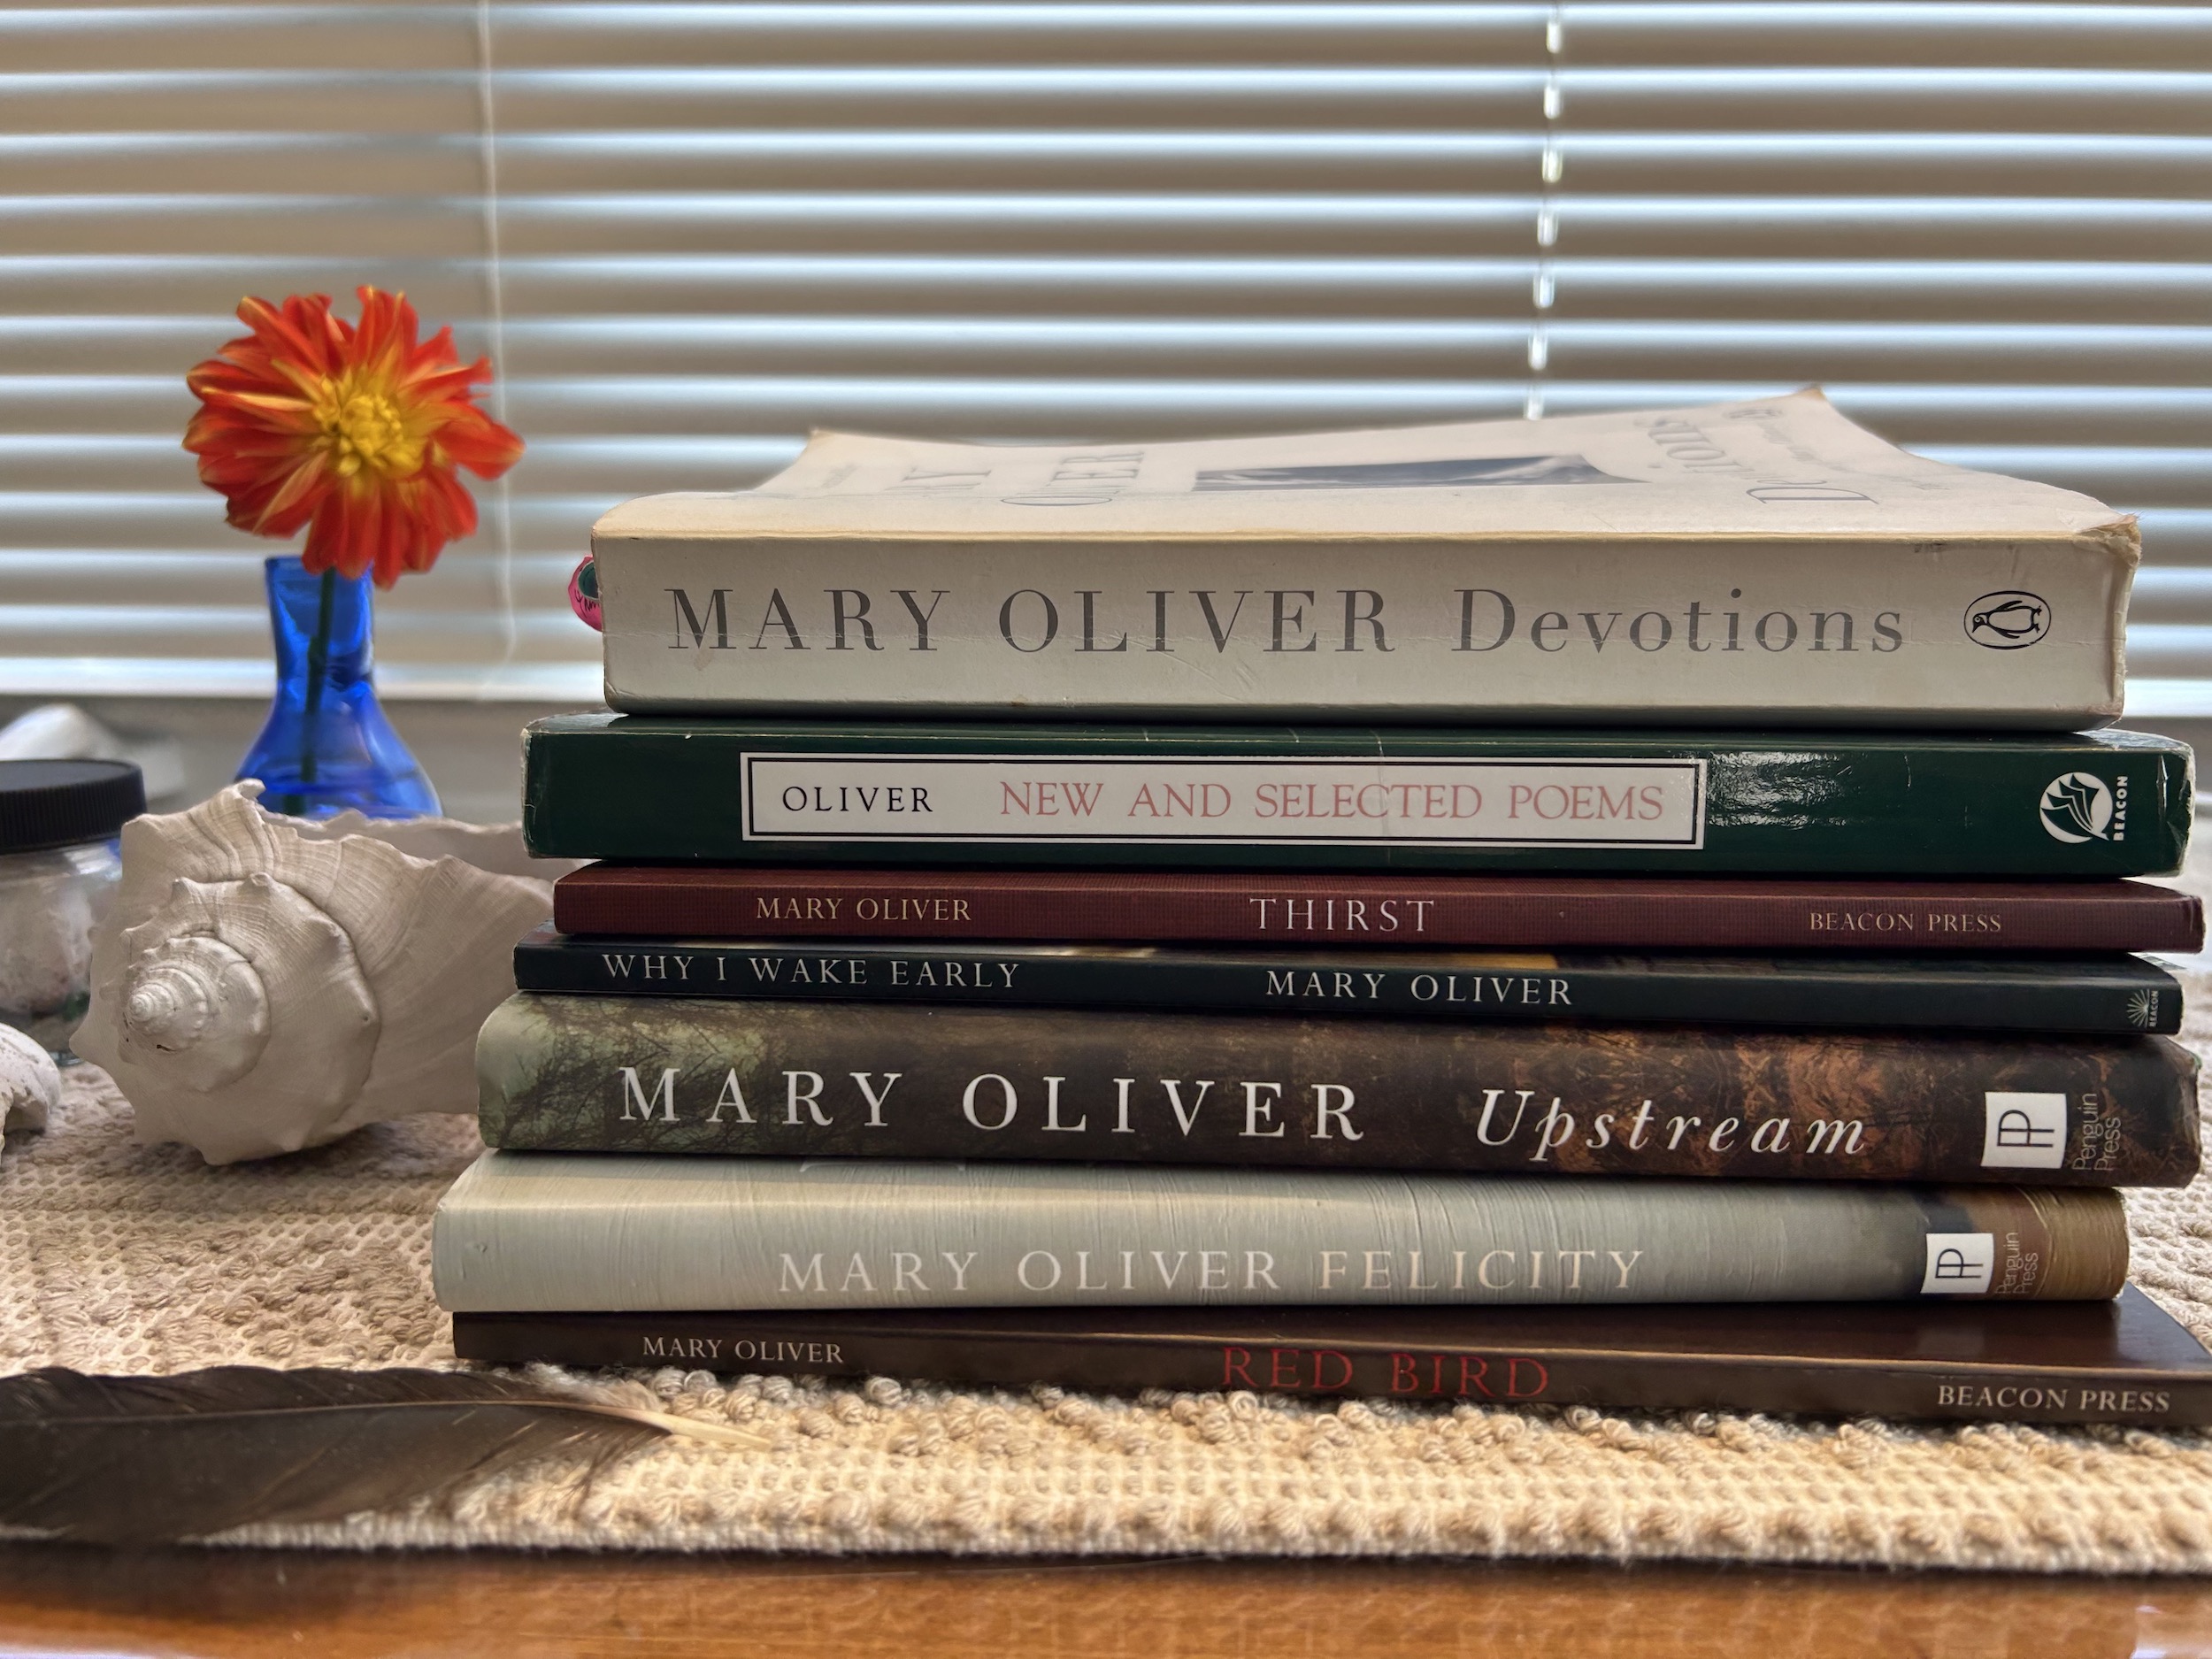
x=993, y=1103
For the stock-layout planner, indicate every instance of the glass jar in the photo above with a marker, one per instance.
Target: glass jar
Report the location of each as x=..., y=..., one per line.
x=59, y=867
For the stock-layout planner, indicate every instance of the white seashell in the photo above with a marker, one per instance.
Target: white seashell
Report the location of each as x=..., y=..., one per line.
x=264, y=984
x=30, y=1083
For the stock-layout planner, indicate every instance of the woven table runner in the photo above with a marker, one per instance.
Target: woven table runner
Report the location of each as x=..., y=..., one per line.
x=116, y=1257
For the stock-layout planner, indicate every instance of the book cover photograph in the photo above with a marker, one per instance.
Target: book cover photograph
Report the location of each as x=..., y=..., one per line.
x=806, y=1080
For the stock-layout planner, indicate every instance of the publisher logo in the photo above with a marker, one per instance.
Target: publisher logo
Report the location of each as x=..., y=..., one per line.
x=2006, y=620
x=2079, y=807
x=2023, y=1131
x=1959, y=1264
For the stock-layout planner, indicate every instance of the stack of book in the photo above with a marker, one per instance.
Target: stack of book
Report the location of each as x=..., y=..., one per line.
x=1622, y=910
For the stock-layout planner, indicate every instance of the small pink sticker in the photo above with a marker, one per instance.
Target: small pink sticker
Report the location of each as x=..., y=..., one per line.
x=583, y=593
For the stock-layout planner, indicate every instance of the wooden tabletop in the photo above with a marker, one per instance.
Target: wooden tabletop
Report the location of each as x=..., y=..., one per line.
x=57, y=1600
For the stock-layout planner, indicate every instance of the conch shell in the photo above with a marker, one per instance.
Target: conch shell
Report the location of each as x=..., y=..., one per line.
x=264, y=983
x=30, y=1083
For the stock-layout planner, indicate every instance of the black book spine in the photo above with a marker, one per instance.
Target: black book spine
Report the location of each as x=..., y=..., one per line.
x=2101, y=995
x=1533, y=1374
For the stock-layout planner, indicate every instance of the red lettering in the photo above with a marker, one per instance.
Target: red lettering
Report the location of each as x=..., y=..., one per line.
x=1405, y=1374
x=1275, y=1377
x=1513, y=1370
x=1473, y=1372
x=1343, y=1378
x=1236, y=1364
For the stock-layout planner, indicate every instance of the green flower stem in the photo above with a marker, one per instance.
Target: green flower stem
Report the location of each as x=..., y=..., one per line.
x=318, y=663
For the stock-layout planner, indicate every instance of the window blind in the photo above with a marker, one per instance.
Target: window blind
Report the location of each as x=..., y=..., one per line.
x=688, y=232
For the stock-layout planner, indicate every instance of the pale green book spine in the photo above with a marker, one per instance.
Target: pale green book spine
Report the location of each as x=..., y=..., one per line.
x=544, y=1232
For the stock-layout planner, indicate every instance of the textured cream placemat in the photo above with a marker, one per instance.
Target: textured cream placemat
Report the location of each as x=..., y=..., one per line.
x=115, y=1257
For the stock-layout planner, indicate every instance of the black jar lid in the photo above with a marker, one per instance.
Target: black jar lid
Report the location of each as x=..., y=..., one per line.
x=64, y=802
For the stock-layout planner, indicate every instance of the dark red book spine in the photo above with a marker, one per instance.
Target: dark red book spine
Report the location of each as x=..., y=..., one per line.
x=2089, y=1362
x=692, y=902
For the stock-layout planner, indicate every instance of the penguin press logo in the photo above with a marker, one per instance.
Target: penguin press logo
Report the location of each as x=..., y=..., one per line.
x=2008, y=620
x=2079, y=807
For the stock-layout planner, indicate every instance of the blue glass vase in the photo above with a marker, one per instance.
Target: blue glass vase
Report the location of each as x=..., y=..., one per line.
x=327, y=745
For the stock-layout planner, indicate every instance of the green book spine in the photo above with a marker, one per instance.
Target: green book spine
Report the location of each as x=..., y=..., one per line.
x=834, y=1079
x=2116, y=995
x=2113, y=804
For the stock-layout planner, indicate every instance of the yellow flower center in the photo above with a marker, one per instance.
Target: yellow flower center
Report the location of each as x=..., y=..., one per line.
x=365, y=430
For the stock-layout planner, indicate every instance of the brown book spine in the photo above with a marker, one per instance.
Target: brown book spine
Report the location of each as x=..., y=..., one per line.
x=2048, y=1364
x=827, y=1079
x=1541, y=912
x=2048, y=1244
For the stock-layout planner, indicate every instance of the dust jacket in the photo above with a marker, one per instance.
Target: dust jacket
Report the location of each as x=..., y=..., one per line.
x=752, y=791
x=2125, y=1360
x=1358, y=910
x=541, y=1232
x=2110, y=995
x=909, y=1080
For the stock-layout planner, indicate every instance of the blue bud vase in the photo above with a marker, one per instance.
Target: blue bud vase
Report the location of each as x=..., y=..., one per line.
x=327, y=746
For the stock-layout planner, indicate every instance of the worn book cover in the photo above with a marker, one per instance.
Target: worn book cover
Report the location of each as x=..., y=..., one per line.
x=2124, y=1361
x=523, y=1233
x=1353, y=908
x=749, y=791
x=1764, y=560
x=902, y=1080
x=2109, y=994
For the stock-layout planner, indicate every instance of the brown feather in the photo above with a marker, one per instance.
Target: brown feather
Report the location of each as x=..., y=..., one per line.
x=139, y=1460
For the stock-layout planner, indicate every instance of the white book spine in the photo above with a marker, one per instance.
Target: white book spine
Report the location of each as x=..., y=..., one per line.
x=542, y=1231
x=1829, y=631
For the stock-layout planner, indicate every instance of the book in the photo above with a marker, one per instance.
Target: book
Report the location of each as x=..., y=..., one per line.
x=522, y=1233
x=2110, y=995
x=1367, y=910
x=749, y=791
x=1764, y=560
x=901, y=1080
x=2125, y=1360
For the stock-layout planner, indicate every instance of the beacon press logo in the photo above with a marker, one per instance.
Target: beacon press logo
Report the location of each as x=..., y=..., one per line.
x=2008, y=620
x=2078, y=806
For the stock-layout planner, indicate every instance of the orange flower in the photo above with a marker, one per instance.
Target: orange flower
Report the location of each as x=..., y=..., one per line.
x=350, y=429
